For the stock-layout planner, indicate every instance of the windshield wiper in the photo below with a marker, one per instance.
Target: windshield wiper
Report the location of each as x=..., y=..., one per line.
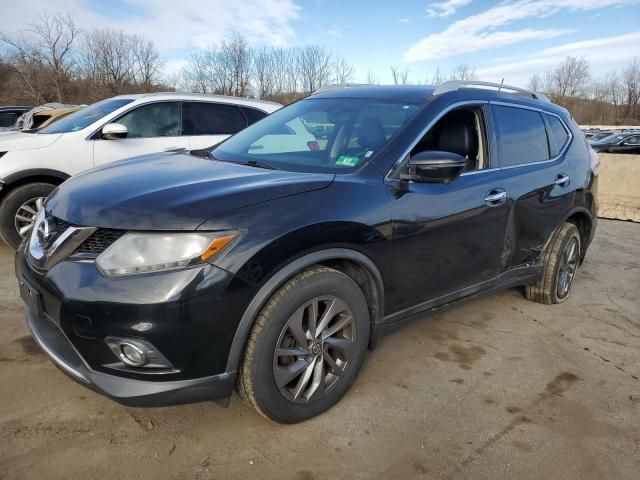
x=258, y=164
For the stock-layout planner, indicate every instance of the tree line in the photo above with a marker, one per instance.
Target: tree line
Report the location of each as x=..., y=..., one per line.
x=54, y=60
x=611, y=100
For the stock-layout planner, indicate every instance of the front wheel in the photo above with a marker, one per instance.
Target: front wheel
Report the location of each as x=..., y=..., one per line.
x=561, y=260
x=19, y=209
x=306, y=347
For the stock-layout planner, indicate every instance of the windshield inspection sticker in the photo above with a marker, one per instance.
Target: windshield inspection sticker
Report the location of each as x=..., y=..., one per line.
x=347, y=161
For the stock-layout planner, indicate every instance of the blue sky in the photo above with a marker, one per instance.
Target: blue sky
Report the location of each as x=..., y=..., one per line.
x=510, y=39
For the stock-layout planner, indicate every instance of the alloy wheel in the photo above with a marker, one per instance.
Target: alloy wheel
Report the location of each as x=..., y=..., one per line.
x=27, y=213
x=568, y=267
x=315, y=347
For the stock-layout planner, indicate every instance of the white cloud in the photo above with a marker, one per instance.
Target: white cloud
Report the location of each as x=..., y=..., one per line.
x=479, y=32
x=403, y=20
x=603, y=54
x=447, y=8
x=171, y=26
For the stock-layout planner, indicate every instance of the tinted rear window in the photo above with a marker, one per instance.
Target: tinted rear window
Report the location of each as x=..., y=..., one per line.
x=523, y=137
x=200, y=118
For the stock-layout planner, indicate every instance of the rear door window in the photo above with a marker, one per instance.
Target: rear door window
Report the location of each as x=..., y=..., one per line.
x=558, y=135
x=202, y=118
x=522, y=136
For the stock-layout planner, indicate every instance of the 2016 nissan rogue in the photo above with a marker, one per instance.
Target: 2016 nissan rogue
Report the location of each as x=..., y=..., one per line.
x=172, y=277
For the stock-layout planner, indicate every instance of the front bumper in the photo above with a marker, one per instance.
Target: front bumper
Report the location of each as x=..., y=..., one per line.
x=131, y=392
x=189, y=315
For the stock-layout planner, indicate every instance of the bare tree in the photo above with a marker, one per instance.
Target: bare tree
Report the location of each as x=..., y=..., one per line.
x=264, y=72
x=147, y=61
x=400, y=77
x=314, y=67
x=343, y=71
x=49, y=42
x=463, y=72
x=372, y=79
x=108, y=59
x=235, y=58
x=569, y=79
x=536, y=83
x=437, y=77
x=631, y=85
x=195, y=75
x=34, y=77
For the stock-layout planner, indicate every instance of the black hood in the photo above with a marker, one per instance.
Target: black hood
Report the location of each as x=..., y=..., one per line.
x=171, y=192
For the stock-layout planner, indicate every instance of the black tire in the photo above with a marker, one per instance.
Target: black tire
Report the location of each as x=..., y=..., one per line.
x=257, y=376
x=550, y=288
x=10, y=205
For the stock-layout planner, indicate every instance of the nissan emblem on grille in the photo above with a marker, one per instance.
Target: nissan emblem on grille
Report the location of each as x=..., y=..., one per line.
x=47, y=230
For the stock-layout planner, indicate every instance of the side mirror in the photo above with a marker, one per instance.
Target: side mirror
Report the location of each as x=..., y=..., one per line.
x=114, y=131
x=433, y=166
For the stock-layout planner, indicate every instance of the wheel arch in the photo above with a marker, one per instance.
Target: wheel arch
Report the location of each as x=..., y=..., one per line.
x=582, y=218
x=33, y=175
x=351, y=262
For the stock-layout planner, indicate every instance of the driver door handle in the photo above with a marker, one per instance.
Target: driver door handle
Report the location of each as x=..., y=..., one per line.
x=562, y=180
x=495, y=197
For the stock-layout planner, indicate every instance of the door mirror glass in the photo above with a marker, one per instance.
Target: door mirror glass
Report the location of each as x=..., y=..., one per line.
x=114, y=131
x=433, y=166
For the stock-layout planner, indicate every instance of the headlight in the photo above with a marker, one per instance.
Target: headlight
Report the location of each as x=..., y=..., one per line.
x=150, y=252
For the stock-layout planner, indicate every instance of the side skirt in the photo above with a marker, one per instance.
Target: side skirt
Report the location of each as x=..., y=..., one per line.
x=513, y=277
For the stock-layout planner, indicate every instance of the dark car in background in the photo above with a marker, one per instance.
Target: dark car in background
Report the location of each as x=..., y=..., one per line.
x=619, y=143
x=170, y=278
x=9, y=115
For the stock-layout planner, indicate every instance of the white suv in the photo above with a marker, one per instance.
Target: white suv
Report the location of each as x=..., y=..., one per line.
x=33, y=163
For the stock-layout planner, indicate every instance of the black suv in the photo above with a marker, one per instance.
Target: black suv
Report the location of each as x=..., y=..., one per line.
x=273, y=263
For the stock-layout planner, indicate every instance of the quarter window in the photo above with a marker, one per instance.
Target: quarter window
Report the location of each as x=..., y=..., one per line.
x=201, y=118
x=160, y=119
x=558, y=135
x=523, y=137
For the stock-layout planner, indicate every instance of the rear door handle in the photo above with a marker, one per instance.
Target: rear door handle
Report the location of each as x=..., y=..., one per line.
x=495, y=197
x=562, y=180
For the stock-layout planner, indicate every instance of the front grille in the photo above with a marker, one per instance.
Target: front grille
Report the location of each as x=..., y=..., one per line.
x=99, y=241
x=61, y=227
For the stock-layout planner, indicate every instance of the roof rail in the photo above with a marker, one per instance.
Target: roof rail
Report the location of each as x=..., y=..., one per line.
x=453, y=85
x=339, y=86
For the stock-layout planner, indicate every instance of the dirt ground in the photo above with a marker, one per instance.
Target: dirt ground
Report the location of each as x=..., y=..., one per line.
x=496, y=387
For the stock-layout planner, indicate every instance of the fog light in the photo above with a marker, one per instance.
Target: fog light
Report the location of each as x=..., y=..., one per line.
x=132, y=354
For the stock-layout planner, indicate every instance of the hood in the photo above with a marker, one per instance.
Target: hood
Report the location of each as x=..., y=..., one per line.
x=11, y=141
x=171, y=192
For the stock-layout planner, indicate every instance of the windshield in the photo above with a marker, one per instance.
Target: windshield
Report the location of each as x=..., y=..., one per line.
x=319, y=135
x=85, y=117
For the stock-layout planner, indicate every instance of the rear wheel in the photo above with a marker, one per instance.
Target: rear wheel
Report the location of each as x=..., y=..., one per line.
x=561, y=261
x=19, y=209
x=306, y=347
